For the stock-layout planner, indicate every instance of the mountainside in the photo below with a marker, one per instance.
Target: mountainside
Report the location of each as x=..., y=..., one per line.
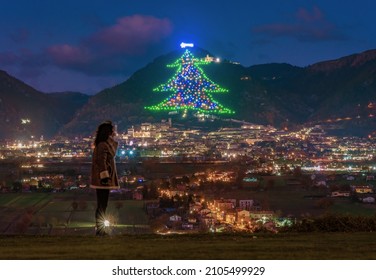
x=26, y=112
x=340, y=93
x=278, y=94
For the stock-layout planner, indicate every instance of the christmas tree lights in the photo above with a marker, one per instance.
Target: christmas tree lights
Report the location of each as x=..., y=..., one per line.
x=191, y=88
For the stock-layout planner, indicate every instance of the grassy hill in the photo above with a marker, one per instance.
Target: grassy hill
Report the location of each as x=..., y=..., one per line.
x=310, y=246
x=278, y=94
x=48, y=226
x=66, y=214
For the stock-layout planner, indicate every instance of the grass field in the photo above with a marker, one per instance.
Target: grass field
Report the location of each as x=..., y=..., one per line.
x=53, y=214
x=317, y=246
x=45, y=226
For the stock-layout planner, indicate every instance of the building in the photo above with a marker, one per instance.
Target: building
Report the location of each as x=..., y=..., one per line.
x=243, y=217
x=246, y=204
x=340, y=194
x=225, y=204
x=362, y=189
x=257, y=215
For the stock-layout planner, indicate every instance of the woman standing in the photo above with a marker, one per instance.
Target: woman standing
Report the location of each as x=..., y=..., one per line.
x=103, y=171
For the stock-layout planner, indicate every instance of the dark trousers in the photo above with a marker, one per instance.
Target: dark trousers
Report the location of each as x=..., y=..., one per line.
x=102, y=201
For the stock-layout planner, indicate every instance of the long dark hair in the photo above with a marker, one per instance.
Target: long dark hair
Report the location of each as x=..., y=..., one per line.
x=104, y=131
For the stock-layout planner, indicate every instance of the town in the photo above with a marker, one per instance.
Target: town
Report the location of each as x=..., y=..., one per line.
x=242, y=178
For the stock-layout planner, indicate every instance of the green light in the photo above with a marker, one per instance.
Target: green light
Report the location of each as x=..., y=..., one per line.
x=191, y=88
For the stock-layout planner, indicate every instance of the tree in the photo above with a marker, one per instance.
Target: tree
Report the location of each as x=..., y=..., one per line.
x=74, y=205
x=324, y=203
x=153, y=192
x=17, y=186
x=191, y=89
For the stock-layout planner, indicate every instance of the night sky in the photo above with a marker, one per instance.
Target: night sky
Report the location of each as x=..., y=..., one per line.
x=86, y=46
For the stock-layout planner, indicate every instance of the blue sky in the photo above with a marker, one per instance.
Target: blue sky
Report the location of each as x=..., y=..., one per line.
x=87, y=46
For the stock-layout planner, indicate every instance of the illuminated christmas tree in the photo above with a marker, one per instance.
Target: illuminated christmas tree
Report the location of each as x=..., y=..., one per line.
x=191, y=89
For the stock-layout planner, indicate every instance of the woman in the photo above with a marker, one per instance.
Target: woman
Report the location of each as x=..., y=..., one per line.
x=103, y=171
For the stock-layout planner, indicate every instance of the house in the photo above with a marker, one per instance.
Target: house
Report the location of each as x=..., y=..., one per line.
x=368, y=199
x=138, y=195
x=192, y=220
x=176, y=193
x=220, y=215
x=340, y=194
x=224, y=204
x=246, y=204
x=320, y=184
x=175, y=218
x=187, y=226
x=208, y=219
x=243, y=217
x=230, y=217
x=362, y=189
x=182, y=188
x=257, y=215
x=204, y=212
x=195, y=207
x=152, y=208
x=370, y=178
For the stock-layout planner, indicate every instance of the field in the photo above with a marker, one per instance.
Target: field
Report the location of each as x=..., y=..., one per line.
x=72, y=212
x=312, y=246
x=55, y=214
x=48, y=226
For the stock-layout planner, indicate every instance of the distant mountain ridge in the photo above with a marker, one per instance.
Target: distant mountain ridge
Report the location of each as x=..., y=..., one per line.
x=278, y=94
x=354, y=60
x=26, y=112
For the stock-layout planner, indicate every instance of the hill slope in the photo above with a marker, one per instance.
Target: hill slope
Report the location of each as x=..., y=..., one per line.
x=276, y=94
x=26, y=112
x=340, y=91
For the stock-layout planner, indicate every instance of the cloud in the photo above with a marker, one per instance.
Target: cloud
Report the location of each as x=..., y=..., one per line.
x=304, y=15
x=131, y=35
x=110, y=48
x=69, y=56
x=306, y=26
x=20, y=36
x=8, y=58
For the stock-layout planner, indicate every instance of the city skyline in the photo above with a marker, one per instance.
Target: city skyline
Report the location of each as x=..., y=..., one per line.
x=91, y=46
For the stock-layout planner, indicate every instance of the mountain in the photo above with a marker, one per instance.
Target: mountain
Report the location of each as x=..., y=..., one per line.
x=26, y=112
x=340, y=94
x=66, y=104
x=124, y=103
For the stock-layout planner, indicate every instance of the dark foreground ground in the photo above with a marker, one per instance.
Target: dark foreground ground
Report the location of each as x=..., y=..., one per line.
x=286, y=246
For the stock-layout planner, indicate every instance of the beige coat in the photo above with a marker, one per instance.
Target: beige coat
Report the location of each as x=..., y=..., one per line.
x=103, y=165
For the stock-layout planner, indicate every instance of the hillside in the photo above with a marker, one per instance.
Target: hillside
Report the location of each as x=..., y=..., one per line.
x=26, y=112
x=340, y=93
x=278, y=94
x=306, y=246
x=248, y=95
